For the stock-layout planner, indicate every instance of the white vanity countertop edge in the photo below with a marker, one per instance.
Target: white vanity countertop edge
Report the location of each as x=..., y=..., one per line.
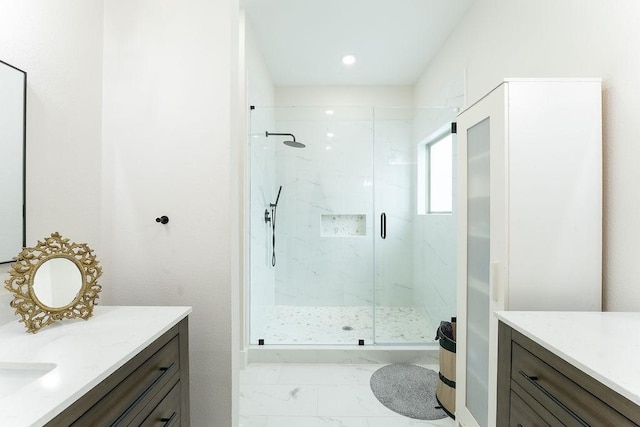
x=604, y=345
x=85, y=353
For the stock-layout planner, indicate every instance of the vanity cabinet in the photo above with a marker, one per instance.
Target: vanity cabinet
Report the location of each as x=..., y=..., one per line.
x=536, y=387
x=151, y=389
x=529, y=221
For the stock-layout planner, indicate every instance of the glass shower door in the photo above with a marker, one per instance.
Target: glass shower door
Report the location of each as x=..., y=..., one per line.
x=415, y=251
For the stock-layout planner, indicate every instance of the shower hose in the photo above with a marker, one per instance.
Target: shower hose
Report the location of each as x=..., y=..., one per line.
x=273, y=236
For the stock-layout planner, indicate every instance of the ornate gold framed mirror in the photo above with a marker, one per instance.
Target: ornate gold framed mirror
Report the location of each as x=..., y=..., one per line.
x=56, y=279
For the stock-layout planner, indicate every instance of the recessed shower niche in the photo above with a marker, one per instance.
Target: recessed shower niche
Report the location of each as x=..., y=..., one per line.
x=335, y=237
x=335, y=225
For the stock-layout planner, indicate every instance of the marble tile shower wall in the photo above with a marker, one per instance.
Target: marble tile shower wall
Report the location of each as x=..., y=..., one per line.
x=335, y=175
x=332, y=175
x=395, y=196
x=435, y=267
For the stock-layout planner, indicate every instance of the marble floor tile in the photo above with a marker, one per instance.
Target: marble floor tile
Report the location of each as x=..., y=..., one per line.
x=317, y=395
x=407, y=422
x=396, y=421
x=326, y=374
x=277, y=399
x=316, y=422
x=253, y=421
x=350, y=400
x=262, y=373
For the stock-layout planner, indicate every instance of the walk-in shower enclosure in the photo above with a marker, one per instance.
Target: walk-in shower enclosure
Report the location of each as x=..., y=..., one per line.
x=343, y=249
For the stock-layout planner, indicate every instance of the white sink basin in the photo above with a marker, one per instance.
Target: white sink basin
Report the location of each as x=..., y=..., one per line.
x=14, y=376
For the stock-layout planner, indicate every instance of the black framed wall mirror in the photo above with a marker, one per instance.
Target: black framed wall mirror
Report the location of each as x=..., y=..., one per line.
x=13, y=111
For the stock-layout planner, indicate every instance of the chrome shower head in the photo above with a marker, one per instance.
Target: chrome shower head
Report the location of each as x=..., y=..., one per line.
x=291, y=143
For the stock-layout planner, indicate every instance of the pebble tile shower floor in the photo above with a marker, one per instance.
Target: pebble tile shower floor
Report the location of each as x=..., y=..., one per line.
x=347, y=325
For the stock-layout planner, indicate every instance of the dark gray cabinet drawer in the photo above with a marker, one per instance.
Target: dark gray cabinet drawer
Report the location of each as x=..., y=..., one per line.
x=134, y=392
x=569, y=402
x=522, y=415
x=533, y=380
x=151, y=389
x=167, y=413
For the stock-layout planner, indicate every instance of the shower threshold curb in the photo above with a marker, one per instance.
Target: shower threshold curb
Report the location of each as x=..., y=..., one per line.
x=418, y=354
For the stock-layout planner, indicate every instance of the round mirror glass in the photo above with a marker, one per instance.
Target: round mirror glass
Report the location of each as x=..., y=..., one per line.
x=57, y=282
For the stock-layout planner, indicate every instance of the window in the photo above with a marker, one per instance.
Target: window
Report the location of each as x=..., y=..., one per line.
x=435, y=174
x=440, y=188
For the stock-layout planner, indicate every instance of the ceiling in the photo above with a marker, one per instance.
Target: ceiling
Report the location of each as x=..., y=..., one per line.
x=303, y=41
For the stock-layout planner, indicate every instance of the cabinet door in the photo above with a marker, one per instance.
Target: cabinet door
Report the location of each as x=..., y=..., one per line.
x=481, y=135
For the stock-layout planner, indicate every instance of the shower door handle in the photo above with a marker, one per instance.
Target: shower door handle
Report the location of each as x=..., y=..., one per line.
x=383, y=225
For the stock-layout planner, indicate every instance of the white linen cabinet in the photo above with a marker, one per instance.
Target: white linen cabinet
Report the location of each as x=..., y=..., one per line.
x=530, y=219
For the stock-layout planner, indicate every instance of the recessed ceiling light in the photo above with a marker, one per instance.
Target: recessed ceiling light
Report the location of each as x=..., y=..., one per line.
x=348, y=59
x=330, y=135
x=329, y=112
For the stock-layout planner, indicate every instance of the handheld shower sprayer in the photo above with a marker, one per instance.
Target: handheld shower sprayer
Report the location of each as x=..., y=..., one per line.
x=275, y=205
x=272, y=219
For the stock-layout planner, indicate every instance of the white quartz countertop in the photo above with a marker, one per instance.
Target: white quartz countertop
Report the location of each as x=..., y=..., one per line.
x=604, y=345
x=84, y=353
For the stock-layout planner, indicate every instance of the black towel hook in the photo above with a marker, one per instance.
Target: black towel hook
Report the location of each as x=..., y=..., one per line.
x=163, y=219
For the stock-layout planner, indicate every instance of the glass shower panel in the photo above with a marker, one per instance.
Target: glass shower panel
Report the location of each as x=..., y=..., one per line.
x=311, y=252
x=478, y=254
x=261, y=194
x=415, y=268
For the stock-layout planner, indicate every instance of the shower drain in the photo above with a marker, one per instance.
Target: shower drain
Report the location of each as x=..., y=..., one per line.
x=347, y=328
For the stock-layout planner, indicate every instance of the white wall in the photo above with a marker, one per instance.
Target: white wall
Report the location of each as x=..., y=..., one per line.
x=59, y=44
x=170, y=93
x=571, y=38
x=330, y=176
x=6, y=313
x=260, y=88
x=344, y=96
x=170, y=77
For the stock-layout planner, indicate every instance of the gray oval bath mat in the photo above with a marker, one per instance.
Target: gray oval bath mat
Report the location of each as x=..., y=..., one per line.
x=409, y=390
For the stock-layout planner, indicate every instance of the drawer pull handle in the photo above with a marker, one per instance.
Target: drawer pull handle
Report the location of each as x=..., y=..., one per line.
x=166, y=368
x=534, y=381
x=168, y=421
